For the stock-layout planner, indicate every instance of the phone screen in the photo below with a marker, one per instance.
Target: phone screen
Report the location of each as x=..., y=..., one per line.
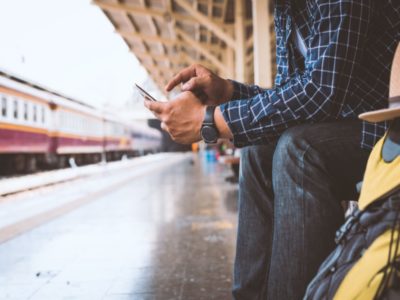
x=145, y=94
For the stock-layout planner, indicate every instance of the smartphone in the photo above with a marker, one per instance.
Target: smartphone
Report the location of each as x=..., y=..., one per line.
x=145, y=94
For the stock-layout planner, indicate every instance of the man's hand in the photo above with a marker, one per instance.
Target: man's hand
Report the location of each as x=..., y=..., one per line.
x=210, y=88
x=181, y=117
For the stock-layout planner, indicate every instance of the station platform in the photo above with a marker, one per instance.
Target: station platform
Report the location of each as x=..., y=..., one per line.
x=160, y=230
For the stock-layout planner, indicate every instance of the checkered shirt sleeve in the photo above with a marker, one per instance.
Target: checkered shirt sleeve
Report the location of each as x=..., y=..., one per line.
x=319, y=92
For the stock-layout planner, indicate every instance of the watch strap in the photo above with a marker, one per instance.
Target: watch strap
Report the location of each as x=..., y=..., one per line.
x=209, y=116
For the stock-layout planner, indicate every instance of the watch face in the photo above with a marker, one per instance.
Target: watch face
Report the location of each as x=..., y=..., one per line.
x=209, y=134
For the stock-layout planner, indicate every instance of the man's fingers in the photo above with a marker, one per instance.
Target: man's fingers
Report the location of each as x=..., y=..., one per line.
x=181, y=77
x=195, y=83
x=155, y=107
x=164, y=126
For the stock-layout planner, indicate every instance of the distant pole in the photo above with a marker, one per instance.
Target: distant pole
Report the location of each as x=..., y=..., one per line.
x=262, y=43
x=240, y=39
x=229, y=58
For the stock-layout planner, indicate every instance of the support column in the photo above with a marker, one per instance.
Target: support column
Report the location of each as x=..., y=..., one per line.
x=262, y=43
x=240, y=40
x=230, y=63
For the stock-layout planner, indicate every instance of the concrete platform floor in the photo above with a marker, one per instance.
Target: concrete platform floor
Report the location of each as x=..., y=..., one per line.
x=168, y=234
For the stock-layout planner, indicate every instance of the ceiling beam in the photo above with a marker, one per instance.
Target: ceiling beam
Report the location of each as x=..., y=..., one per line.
x=147, y=38
x=134, y=28
x=138, y=10
x=250, y=41
x=202, y=49
x=165, y=70
x=154, y=28
x=166, y=41
x=224, y=8
x=249, y=59
x=206, y=22
x=190, y=61
x=156, y=76
x=158, y=57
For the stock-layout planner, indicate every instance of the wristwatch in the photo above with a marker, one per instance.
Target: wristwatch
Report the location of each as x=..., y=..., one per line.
x=209, y=131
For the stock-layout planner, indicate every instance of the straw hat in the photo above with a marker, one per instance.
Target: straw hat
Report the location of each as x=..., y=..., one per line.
x=393, y=111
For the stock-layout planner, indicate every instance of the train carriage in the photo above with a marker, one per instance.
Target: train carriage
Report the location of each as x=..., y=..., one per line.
x=145, y=139
x=78, y=132
x=25, y=124
x=23, y=118
x=40, y=128
x=117, y=140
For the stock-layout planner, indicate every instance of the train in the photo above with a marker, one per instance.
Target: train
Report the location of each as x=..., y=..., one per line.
x=42, y=129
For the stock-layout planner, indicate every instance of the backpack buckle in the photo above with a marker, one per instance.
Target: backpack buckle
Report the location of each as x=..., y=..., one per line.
x=345, y=228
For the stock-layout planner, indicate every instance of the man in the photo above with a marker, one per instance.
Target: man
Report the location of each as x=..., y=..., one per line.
x=308, y=149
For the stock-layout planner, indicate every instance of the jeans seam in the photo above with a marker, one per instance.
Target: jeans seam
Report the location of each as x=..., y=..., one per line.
x=264, y=292
x=303, y=206
x=306, y=150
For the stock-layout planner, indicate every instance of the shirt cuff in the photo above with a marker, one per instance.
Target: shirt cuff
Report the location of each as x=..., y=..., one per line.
x=249, y=119
x=243, y=91
x=237, y=115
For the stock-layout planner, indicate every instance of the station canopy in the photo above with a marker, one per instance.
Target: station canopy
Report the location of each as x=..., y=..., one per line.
x=234, y=38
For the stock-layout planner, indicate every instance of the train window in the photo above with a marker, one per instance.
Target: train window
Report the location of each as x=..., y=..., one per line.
x=4, y=106
x=25, y=111
x=35, y=113
x=15, y=104
x=39, y=113
x=43, y=115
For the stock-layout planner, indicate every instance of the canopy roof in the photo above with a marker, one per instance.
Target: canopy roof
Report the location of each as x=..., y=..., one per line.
x=168, y=35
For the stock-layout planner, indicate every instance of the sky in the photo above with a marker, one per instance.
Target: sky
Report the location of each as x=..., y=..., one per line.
x=68, y=46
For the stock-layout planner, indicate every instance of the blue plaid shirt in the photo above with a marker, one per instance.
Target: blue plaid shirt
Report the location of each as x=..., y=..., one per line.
x=350, y=48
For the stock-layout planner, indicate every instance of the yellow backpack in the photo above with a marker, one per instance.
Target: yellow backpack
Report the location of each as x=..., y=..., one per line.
x=366, y=262
x=378, y=267
x=365, y=265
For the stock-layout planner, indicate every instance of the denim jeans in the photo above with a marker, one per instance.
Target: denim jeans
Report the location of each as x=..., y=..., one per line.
x=289, y=206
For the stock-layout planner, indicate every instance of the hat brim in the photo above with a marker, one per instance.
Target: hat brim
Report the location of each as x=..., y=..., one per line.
x=381, y=115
